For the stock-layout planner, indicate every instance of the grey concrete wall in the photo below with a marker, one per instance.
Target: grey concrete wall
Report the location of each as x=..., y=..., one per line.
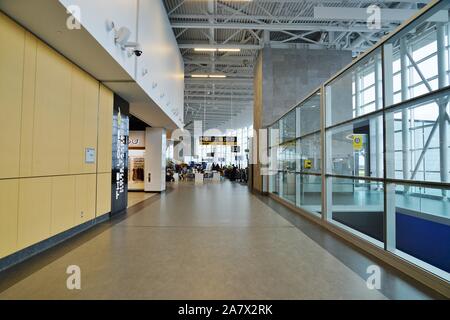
x=288, y=75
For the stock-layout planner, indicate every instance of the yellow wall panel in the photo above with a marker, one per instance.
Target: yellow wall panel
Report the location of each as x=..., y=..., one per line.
x=103, y=193
x=9, y=193
x=105, y=130
x=63, y=204
x=52, y=113
x=12, y=43
x=91, y=100
x=85, y=196
x=29, y=84
x=76, y=159
x=35, y=204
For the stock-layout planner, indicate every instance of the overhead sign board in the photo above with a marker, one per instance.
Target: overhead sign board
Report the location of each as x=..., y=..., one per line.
x=218, y=141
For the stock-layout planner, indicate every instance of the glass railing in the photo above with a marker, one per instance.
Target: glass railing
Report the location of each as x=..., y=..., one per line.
x=369, y=151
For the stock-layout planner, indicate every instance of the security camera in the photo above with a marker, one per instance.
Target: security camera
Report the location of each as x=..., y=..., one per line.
x=137, y=49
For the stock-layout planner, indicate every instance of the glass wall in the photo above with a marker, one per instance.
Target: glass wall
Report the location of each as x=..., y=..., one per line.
x=382, y=128
x=299, y=162
x=354, y=140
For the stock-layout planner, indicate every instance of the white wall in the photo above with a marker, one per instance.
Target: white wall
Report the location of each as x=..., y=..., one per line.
x=150, y=26
x=94, y=14
x=161, y=58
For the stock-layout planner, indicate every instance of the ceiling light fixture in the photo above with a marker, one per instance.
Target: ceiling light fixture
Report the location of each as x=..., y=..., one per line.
x=229, y=50
x=214, y=76
x=217, y=76
x=205, y=49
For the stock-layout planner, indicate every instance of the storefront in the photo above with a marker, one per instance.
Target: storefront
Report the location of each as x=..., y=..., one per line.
x=136, y=161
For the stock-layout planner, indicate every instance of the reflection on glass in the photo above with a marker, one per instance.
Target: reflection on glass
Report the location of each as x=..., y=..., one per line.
x=288, y=192
x=422, y=227
x=287, y=126
x=357, y=149
x=309, y=150
x=287, y=156
x=274, y=183
x=309, y=192
x=309, y=116
x=359, y=205
x=356, y=92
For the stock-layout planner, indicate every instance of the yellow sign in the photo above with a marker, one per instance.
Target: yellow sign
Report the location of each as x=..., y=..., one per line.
x=307, y=164
x=357, y=141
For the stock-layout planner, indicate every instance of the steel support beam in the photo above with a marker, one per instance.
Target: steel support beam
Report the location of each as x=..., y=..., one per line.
x=273, y=27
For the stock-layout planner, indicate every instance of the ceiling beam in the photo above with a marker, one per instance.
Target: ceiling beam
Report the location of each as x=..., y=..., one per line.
x=235, y=81
x=273, y=26
x=218, y=96
x=388, y=16
x=203, y=45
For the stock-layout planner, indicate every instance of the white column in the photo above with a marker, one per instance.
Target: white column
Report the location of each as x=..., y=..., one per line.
x=443, y=135
x=405, y=113
x=155, y=159
x=389, y=170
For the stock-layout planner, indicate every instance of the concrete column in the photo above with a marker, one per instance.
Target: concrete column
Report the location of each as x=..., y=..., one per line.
x=284, y=77
x=155, y=159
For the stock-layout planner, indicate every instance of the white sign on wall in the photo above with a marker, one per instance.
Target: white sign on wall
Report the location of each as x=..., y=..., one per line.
x=90, y=155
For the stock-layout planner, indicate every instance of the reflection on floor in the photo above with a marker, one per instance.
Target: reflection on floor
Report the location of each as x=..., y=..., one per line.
x=211, y=241
x=137, y=197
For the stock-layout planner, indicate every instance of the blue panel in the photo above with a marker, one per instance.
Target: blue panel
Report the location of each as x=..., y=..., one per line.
x=426, y=240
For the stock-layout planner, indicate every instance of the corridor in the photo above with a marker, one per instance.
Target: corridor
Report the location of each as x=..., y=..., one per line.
x=213, y=241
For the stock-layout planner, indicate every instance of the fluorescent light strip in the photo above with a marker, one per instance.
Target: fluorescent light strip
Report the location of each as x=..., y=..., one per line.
x=214, y=76
x=205, y=49
x=230, y=50
x=217, y=49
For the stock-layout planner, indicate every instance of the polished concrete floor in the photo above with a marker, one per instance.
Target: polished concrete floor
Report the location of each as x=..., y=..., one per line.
x=211, y=241
x=137, y=197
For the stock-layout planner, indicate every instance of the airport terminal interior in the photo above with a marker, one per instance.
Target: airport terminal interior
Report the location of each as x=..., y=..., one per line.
x=223, y=150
